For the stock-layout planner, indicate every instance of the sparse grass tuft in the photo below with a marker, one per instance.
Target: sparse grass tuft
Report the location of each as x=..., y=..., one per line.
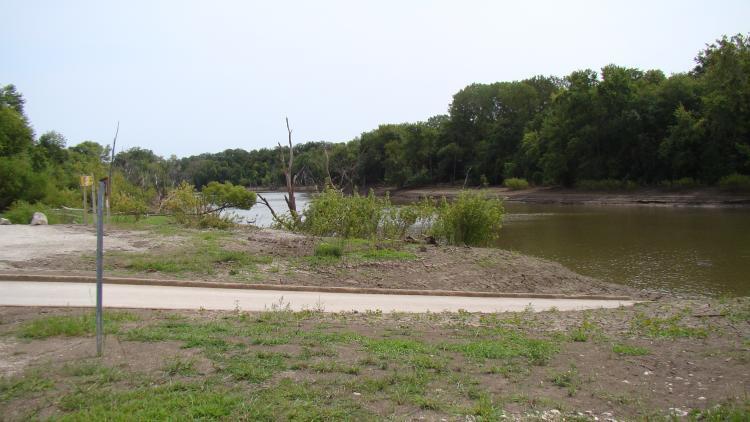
x=567, y=379
x=33, y=382
x=328, y=250
x=665, y=327
x=627, y=350
x=177, y=365
x=73, y=325
x=509, y=345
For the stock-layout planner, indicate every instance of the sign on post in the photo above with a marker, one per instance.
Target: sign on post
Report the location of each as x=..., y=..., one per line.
x=85, y=182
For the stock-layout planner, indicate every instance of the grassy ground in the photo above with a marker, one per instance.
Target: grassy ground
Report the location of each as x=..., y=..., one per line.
x=654, y=361
x=214, y=252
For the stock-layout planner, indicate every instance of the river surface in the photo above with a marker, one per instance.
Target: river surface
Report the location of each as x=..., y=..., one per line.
x=696, y=250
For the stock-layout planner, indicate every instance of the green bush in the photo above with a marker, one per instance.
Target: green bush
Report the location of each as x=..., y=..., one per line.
x=21, y=212
x=331, y=213
x=472, y=219
x=125, y=203
x=515, y=183
x=328, y=250
x=735, y=183
x=204, y=209
x=215, y=221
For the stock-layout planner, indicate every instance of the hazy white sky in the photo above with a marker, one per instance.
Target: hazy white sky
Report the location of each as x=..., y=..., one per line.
x=185, y=77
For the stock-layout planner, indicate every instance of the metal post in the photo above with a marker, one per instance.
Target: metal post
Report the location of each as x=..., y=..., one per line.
x=99, y=270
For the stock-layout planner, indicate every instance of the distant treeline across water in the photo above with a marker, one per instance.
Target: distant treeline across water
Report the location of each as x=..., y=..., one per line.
x=620, y=125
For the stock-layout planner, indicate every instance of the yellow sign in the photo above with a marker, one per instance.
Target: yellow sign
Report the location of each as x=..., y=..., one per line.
x=86, y=181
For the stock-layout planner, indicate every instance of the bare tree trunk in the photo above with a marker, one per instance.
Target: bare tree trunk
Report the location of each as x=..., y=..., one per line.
x=466, y=179
x=288, y=175
x=291, y=179
x=111, y=166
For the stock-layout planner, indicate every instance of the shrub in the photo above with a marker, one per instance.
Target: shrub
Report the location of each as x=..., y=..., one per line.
x=471, y=219
x=328, y=250
x=214, y=221
x=204, y=209
x=515, y=183
x=331, y=213
x=21, y=212
x=397, y=221
x=125, y=203
x=735, y=183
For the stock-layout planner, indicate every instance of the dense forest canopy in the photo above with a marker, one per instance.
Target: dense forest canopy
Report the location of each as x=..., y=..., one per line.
x=621, y=124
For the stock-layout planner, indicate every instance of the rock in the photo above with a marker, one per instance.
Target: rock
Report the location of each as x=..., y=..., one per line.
x=5, y=222
x=39, y=219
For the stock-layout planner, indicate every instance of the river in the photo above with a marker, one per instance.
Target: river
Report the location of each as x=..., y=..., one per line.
x=695, y=250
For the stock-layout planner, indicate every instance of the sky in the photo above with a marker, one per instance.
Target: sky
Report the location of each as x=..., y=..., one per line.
x=188, y=77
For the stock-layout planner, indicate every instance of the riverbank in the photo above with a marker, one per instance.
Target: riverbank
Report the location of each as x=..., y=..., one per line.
x=703, y=197
x=264, y=256
x=653, y=361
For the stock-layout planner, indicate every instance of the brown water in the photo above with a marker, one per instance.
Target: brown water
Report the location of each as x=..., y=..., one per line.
x=697, y=250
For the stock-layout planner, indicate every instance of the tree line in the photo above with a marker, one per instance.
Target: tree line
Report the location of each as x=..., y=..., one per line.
x=619, y=124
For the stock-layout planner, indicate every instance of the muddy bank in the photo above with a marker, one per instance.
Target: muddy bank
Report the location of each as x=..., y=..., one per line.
x=275, y=257
x=705, y=197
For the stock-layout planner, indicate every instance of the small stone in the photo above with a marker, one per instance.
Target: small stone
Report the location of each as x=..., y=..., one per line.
x=701, y=398
x=5, y=222
x=647, y=373
x=626, y=381
x=357, y=394
x=39, y=219
x=554, y=412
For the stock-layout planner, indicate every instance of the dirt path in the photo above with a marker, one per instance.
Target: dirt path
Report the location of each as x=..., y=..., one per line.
x=25, y=243
x=16, y=293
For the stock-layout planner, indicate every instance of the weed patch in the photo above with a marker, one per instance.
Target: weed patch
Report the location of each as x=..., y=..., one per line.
x=627, y=350
x=665, y=327
x=11, y=388
x=510, y=345
x=73, y=325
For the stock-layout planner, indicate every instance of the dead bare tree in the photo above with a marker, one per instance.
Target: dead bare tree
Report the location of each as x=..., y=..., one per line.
x=329, y=180
x=290, y=178
x=111, y=167
x=466, y=179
